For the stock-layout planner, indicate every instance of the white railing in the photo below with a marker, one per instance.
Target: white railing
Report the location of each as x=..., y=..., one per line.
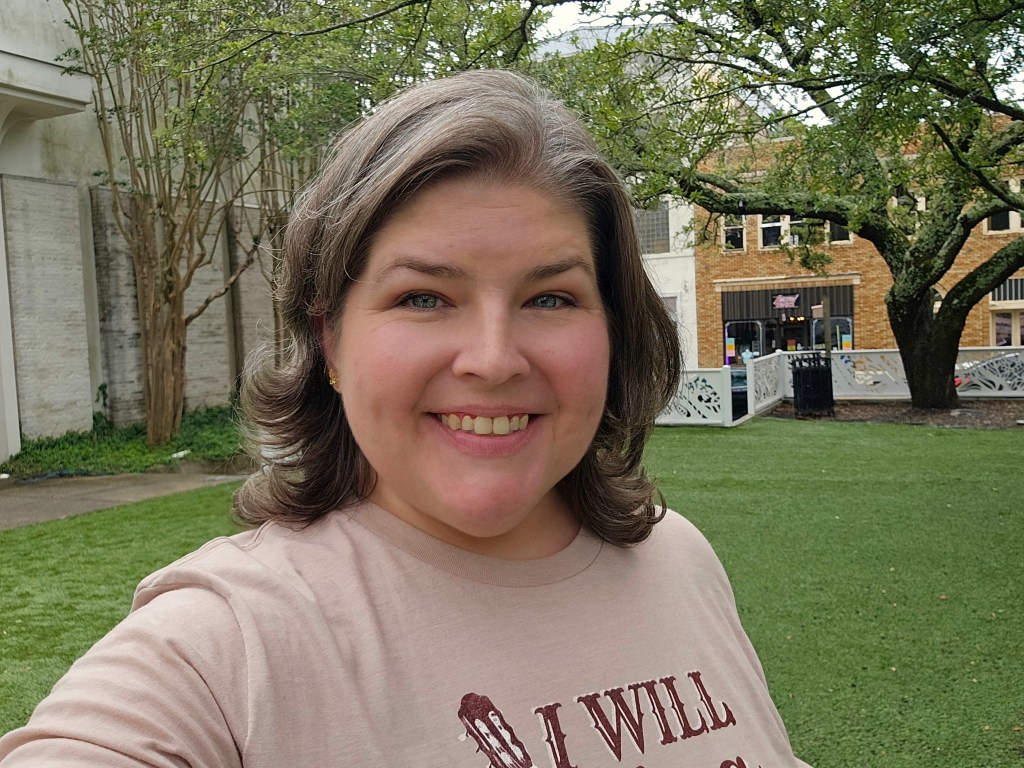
x=766, y=384
x=990, y=372
x=706, y=396
x=877, y=374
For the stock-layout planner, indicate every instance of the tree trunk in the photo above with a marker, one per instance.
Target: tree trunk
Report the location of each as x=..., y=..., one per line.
x=165, y=372
x=928, y=344
x=162, y=327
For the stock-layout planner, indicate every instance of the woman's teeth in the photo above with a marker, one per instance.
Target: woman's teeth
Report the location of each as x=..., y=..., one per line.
x=485, y=425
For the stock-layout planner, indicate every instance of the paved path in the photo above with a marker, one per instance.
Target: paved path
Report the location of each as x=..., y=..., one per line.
x=36, y=502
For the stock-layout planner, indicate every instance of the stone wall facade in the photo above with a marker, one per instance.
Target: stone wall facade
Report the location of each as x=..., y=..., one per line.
x=58, y=389
x=44, y=270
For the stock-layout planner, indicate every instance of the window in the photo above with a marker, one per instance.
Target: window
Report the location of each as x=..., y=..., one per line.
x=771, y=230
x=999, y=222
x=742, y=341
x=733, y=232
x=1011, y=290
x=652, y=226
x=906, y=209
x=1006, y=221
x=842, y=333
x=837, y=233
x=1007, y=315
x=671, y=304
x=797, y=230
x=777, y=229
x=1008, y=328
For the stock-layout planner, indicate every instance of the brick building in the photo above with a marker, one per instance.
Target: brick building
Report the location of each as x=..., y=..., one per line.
x=752, y=298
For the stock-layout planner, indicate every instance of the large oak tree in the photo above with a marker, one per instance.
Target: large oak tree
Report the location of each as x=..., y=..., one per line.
x=875, y=105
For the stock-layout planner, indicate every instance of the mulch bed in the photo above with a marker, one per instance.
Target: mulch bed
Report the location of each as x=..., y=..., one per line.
x=1007, y=413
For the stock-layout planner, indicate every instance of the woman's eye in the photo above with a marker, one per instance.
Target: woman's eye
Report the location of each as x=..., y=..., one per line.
x=549, y=301
x=420, y=301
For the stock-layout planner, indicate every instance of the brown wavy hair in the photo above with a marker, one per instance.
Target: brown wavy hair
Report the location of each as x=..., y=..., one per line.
x=500, y=127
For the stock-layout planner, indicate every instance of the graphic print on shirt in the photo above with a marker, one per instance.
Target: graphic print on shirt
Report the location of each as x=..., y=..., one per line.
x=492, y=733
x=617, y=715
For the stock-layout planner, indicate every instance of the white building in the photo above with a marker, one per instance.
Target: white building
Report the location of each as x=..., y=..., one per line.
x=667, y=243
x=68, y=317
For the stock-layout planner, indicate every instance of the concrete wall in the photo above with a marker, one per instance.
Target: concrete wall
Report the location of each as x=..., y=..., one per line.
x=68, y=314
x=118, y=317
x=210, y=356
x=44, y=267
x=252, y=305
x=46, y=127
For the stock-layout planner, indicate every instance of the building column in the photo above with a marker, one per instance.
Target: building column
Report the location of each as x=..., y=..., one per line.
x=10, y=423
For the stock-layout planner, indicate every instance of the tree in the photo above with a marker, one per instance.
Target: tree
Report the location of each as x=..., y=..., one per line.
x=881, y=103
x=319, y=67
x=212, y=115
x=168, y=136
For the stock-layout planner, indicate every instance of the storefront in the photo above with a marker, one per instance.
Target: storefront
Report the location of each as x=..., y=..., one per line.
x=759, y=322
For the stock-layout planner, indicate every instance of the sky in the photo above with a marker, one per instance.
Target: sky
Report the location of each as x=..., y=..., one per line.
x=566, y=17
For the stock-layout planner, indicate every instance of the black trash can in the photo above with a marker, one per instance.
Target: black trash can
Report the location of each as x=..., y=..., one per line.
x=812, y=384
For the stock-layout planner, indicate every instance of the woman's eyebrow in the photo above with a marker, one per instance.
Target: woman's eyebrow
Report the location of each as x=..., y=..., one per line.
x=557, y=268
x=452, y=272
x=423, y=267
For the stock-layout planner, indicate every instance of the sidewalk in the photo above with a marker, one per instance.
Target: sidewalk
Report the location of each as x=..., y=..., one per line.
x=37, y=502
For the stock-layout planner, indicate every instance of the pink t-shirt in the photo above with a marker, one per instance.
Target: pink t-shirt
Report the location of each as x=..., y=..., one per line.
x=361, y=641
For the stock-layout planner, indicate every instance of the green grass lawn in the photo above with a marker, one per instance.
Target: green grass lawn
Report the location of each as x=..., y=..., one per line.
x=880, y=573
x=66, y=583
x=878, y=570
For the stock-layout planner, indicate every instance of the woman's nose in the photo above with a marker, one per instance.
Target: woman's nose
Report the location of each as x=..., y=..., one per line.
x=492, y=349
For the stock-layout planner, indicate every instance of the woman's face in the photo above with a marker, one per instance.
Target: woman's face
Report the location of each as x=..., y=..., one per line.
x=472, y=358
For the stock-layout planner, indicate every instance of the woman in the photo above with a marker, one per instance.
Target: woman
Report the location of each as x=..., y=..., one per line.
x=453, y=479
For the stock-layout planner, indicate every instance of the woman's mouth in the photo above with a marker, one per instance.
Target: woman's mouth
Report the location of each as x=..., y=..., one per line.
x=484, y=425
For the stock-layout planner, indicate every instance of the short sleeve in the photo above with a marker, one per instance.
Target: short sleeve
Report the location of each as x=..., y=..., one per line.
x=166, y=687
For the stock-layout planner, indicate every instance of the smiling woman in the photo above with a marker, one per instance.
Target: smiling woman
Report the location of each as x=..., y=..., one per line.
x=481, y=184
x=459, y=554
x=479, y=304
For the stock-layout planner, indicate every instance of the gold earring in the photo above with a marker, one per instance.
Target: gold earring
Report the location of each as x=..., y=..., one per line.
x=332, y=377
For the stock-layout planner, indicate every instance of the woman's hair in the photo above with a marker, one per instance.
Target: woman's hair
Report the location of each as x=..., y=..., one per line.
x=490, y=125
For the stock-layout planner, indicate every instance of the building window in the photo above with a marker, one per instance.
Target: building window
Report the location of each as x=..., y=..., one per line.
x=1011, y=290
x=797, y=230
x=1008, y=328
x=777, y=229
x=652, y=226
x=842, y=333
x=1006, y=221
x=671, y=304
x=771, y=230
x=999, y=222
x=733, y=232
x=837, y=233
x=743, y=341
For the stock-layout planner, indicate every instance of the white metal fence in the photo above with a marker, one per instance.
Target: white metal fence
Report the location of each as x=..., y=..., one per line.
x=718, y=396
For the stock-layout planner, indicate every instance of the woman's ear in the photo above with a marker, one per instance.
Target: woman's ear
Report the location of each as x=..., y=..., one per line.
x=326, y=336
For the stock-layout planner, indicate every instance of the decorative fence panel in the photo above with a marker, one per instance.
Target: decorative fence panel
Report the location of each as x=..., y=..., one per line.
x=869, y=374
x=766, y=383
x=705, y=396
x=877, y=374
x=990, y=372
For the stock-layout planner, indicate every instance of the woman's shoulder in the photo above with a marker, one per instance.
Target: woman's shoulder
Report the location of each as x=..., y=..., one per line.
x=271, y=561
x=679, y=546
x=676, y=530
